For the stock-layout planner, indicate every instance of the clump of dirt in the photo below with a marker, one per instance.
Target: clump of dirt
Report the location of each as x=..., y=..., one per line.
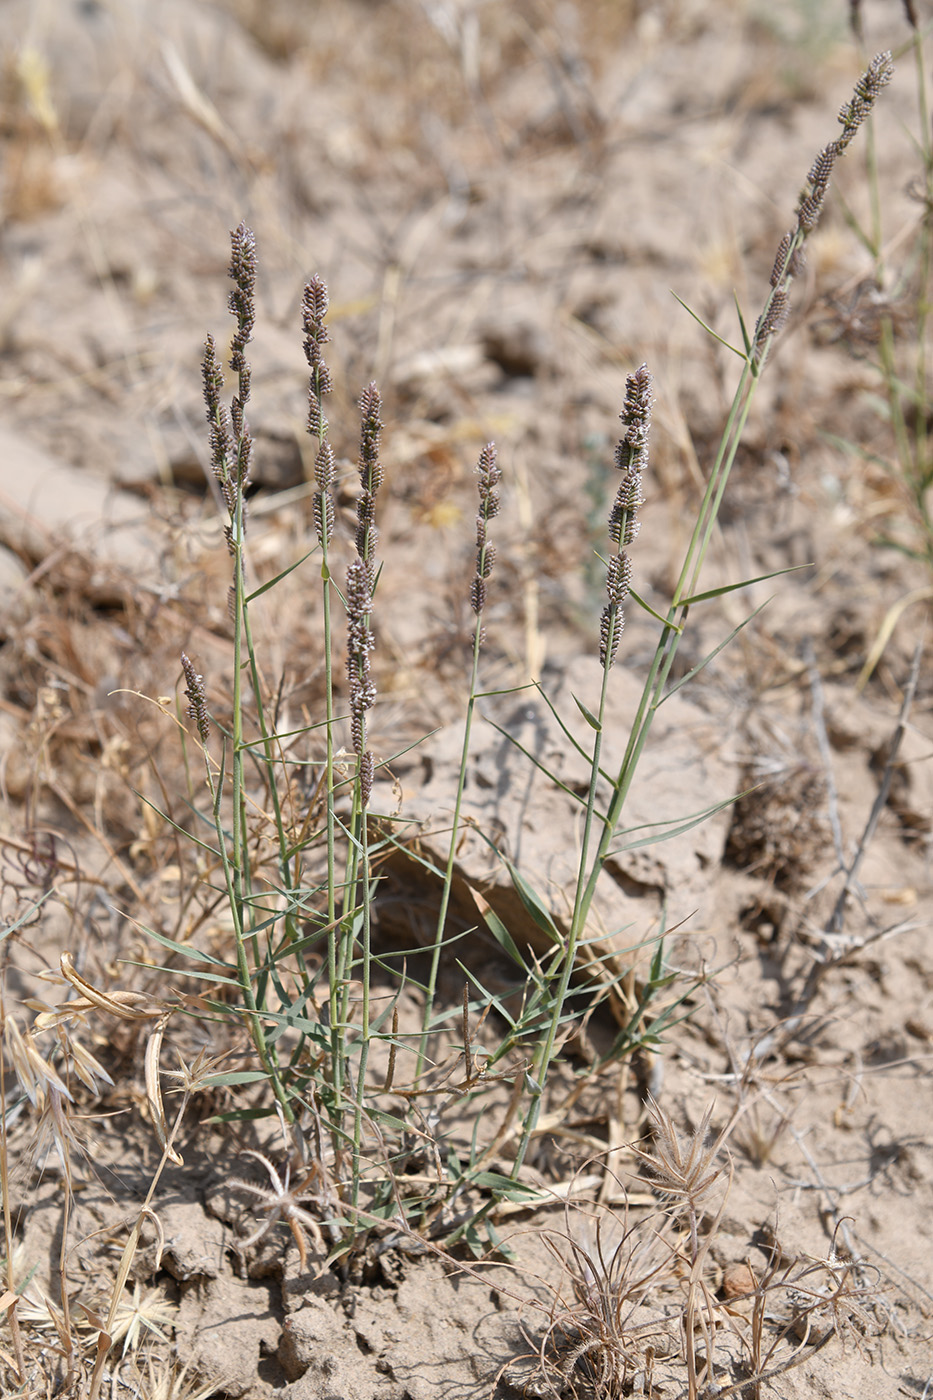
x=779, y=829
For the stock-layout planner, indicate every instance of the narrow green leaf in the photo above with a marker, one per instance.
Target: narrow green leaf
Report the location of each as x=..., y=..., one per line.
x=242, y=1115
x=501, y=934
x=243, y=1076
x=588, y=715
x=390, y=1120
x=264, y=588
x=725, y=588
x=471, y=1239
x=695, y=670
x=249, y=744
x=195, y=954
x=551, y=776
x=677, y=828
x=709, y=330
x=505, y=1186
x=746, y=338
x=215, y=979
x=182, y=831
x=498, y=1243
x=533, y=903
x=646, y=607
x=489, y=998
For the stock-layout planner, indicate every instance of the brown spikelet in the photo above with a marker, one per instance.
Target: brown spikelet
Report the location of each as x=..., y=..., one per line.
x=631, y=460
x=313, y=311
x=780, y=261
x=197, y=706
x=790, y=257
x=489, y=477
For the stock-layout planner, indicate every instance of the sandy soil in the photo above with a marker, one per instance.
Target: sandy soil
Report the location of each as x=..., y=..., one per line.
x=501, y=199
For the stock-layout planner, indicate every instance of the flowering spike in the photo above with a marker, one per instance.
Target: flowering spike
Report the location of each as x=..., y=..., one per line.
x=489, y=474
x=631, y=459
x=790, y=256
x=197, y=707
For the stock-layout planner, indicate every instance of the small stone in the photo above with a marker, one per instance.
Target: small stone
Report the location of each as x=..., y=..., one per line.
x=738, y=1280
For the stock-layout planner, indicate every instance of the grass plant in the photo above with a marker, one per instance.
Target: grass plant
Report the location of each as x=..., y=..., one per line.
x=638, y=1308
x=289, y=827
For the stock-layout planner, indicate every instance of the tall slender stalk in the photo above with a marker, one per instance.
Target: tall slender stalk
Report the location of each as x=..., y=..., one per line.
x=787, y=264
x=631, y=459
x=314, y=310
x=231, y=451
x=489, y=477
x=361, y=583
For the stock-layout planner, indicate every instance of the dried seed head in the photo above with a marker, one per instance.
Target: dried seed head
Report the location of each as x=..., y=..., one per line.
x=367, y=536
x=361, y=576
x=370, y=470
x=231, y=442
x=367, y=772
x=774, y=318
x=631, y=459
x=126, y=1005
x=313, y=311
x=197, y=707
x=489, y=477
x=809, y=210
x=611, y=624
x=623, y=526
x=683, y=1169
x=218, y=420
x=632, y=453
x=34, y=1073
x=360, y=643
x=317, y=424
x=790, y=256
x=867, y=90
x=618, y=578
x=779, y=269
x=323, y=513
x=213, y=377
x=242, y=302
x=325, y=471
x=820, y=171
x=244, y=454
x=370, y=432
